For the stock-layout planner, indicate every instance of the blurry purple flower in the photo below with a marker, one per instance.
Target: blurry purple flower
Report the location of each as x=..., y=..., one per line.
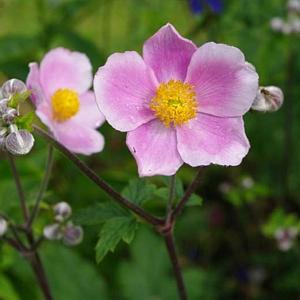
x=197, y=6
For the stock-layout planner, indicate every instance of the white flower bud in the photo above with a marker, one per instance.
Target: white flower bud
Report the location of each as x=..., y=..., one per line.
x=62, y=211
x=73, y=235
x=3, y=226
x=19, y=142
x=277, y=24
x=294, y=6
x=3, y=105
x=286, y=237
x=53, y=232
x=269, y=98
x=12, y=87
x=9, y=115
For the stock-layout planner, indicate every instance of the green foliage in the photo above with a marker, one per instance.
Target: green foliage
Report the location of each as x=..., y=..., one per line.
x=280, y=219
x=112, y=232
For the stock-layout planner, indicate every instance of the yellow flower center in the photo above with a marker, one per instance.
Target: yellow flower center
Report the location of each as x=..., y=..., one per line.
x=65, y=104
x=174, y=103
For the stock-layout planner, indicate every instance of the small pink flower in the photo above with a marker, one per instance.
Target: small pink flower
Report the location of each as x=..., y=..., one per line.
x=60, y=92
x=178, y=103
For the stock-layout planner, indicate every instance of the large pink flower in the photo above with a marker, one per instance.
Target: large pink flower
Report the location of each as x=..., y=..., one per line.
x=60, y=92
x=178, y=103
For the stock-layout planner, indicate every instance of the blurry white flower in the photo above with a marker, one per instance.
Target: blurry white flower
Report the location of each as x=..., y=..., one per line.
x=3, y=226
x=53, y=232
x=294, y=6
x=277, y=24
x=247, y=182
x=62, y=211
x=285, y=238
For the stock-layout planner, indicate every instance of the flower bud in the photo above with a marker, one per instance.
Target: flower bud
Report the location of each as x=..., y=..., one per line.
x=285, y=238
x=62, y=211
x=73, y=235
x=53, y=232
x=268, y=98
x=12, y=87
x=19, y=142
x=3, y=226
x=3, y=105
x=9, y=115
x=277, y=24
x=247, y=183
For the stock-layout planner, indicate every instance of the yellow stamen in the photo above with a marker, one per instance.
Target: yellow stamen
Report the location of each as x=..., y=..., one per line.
x=65, y=104
x=174, y=103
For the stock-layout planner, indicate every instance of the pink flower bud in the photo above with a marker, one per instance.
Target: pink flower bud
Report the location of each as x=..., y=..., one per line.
x=12, y=87
x=3, y=226
x=53, y=232
x=73, y=235
x=62, y=211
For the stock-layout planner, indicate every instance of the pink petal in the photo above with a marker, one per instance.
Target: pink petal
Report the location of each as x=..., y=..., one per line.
x=124, y=87
x=78, y=138
x=225, y=85
x=154, y=148
x=212, y=140
x=34, y=85
x=168, y=54
x=44, y=112
x=62, y=68
x=89, y=113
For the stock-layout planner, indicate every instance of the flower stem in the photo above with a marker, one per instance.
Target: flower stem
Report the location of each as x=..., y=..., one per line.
x=171, y=194
x=19, y=187
x=38, y=269
x=43, y=186
x=85, y=169
x=190, y=190
x=169, y=240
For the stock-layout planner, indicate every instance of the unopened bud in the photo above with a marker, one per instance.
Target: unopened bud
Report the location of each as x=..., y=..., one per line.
x=73, y=235
x=277, y=24
x=12, y=87
x=285, y=238
x=3, y=105
x=9, y=115
x=62, y=211
x=269, y=98
x=3, y=226
x=53, y=232
x=19, y=142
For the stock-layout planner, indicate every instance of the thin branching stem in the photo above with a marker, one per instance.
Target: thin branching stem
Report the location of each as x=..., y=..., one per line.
x=190, y=190
x=85, y=169
x=19, y=187
x=43, y=186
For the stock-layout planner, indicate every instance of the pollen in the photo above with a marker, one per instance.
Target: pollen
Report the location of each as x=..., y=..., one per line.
x=65, y=104
x=174, y=103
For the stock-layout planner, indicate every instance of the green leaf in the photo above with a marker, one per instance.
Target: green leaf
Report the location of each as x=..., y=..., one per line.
x=71, y=276
x=139, y=191
x=112, y=232
x=195, y=200
x=7, y=291
x=18, y=98
x=25, y=121
x=99, y=213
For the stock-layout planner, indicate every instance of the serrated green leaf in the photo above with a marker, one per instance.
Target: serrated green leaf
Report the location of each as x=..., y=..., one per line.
x=99, y=213
x=112, y=232
x=139, y=191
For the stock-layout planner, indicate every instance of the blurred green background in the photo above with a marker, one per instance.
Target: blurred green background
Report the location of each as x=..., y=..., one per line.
x=228, y=247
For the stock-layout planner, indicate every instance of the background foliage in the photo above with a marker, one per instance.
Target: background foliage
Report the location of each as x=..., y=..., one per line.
x=227, y=246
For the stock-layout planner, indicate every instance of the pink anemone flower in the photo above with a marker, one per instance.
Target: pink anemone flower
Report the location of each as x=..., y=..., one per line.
x=178, y=103
x=60, y=92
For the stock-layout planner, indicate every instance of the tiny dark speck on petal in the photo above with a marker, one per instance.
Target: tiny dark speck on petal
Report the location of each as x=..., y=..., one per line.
x=133, y=149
